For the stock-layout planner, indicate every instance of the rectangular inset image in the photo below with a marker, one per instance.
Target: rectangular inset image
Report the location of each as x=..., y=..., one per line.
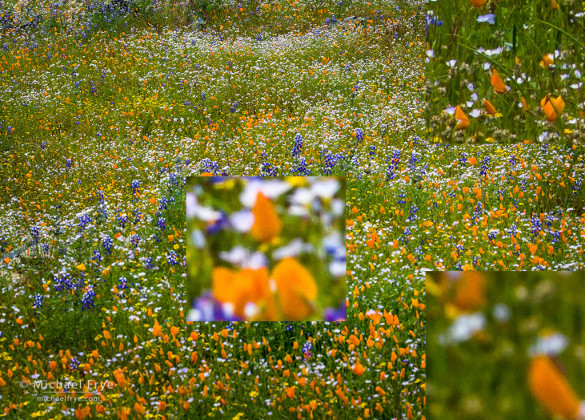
x=506, y=345
x=505, y=71
x=266, y=249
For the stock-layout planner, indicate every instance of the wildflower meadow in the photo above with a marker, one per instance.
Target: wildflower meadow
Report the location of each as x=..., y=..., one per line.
x=106, y=109
x=506, y=345
x=505, y=71
x=125, y=127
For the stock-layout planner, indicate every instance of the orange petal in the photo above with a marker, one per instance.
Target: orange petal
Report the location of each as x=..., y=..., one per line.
x=552, y=107
x=241, y=287
x=223, y=284
x=498, y=83
x=551, y=389
x=253, y=287
x=470, y=291
x=156, y=329
x=296, y=289
x=359, y=369
x=462, y=118
x=490, y=109
x=478, y=3
x=546, y=60
x=267, y=224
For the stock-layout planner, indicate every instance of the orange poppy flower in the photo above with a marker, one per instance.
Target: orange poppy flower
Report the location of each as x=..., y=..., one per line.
x=478, y=3
x=498, y=83
x=296, y=289
x=156, y=329
x=463, y=120
x=552, y=107
x=551, y=389
x=267, y=224
x=546, y=61
x=470, y=291
x=241, y=287
x=358, y=369
x=489, y=108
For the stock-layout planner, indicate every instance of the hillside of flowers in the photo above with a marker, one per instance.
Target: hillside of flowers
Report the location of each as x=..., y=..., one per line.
x=106, y=109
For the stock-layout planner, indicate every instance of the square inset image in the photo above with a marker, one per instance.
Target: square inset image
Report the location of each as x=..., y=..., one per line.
x=506, y=345
x=266, y=249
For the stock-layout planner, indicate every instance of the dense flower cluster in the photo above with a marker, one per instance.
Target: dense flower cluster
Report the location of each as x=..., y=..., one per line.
x=106, y=110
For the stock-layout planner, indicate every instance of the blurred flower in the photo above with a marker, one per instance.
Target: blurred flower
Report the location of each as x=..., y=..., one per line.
x=243, y=286
x=549, y=344
x=269, y=188
x=470, y=291
x=501, y=312
x=207, y=308
x=267, y=224
x=550, y=387
x=336, y=314
x=464, y=327
x=489, y=18
x=296, y=289
x=242, y=220
x=325, y=188
x=244, y=258
x=292, y=249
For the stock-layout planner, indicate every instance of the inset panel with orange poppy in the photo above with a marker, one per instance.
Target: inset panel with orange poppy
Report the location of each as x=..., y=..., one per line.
x=506, y=345
x=505, y=71
x=266, y=249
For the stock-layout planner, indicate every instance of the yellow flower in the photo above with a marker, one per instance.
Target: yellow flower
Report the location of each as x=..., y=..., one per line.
x=81, y=267
x=297, y=181
x=267, y=224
